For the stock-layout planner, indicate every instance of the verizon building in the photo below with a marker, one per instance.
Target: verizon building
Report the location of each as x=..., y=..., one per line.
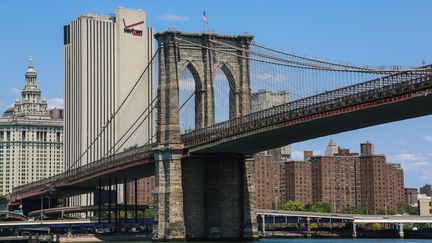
x=104, y=56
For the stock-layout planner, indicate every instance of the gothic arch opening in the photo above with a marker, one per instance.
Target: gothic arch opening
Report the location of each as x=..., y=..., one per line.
x=188, y=84
x=224, y=94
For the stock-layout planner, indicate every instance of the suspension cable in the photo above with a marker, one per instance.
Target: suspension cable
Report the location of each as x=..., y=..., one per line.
x=318, y=67
x=300, y=67
x=184, y=103
x=133, y=124
x=284, y=59
x=115, y=113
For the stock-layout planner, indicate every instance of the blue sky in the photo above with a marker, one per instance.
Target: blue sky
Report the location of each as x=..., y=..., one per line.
x=364, y=32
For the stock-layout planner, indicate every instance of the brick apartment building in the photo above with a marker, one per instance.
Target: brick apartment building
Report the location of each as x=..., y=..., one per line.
x=335, y=178
x=341, y=178
x=264, y=183
x=411, y=196
x=426, y=189
x=297, y=181
x=382, y=184
x=145, y=190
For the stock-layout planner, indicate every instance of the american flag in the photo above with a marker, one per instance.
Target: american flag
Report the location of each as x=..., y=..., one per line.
x=204, y=17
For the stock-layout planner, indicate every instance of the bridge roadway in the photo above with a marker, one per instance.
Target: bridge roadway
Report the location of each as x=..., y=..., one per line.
x=387, y=99
x=81, y=209
x=391, y=98
x=130, y=164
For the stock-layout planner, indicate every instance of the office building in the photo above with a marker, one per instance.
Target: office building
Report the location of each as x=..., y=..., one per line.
x=104, y=56
x=31, y=138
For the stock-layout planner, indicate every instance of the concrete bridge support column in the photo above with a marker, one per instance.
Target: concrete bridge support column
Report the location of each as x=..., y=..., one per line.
x=401, y=231
x=116, y=211
x=354, y=233
x=263, y=223
x=308, y=233
x=219, y=199
x=125, y=197
x=169, y=190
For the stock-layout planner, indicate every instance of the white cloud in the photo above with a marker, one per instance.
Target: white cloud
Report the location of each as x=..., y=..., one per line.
x=410, y=157
x=173, y=18
x=16, y=91
x=299, y=155
x=427, y=138
x=270, y=77
x=412, y=162
x=187, y=85
x=425, y=175
x=55, y=102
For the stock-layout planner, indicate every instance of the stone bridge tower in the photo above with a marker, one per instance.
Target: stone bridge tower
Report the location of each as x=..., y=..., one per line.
x=202, y=196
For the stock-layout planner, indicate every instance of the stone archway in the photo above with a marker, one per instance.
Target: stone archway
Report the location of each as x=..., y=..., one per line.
x=201, y=54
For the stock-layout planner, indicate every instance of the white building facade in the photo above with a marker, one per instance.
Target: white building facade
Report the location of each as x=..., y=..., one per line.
x=104, y=56
x=264, y=99
x=31, y=140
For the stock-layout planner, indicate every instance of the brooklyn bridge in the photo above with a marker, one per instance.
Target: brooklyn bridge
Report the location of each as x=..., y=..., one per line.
x=202, y=160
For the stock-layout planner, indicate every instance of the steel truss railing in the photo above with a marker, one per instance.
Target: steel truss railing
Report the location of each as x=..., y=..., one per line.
x=88, y=169
x=388, y=86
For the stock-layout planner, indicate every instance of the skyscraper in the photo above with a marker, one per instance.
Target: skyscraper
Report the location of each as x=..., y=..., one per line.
x=31, y=140
x=104, y=57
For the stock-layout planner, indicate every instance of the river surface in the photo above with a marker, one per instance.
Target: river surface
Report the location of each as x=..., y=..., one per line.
x=317, y=241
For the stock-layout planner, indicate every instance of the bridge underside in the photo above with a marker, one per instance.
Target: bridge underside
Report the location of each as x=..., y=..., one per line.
x=137, y=169
x=345, y=119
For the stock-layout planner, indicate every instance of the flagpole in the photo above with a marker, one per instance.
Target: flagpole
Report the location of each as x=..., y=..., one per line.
x=204, y=18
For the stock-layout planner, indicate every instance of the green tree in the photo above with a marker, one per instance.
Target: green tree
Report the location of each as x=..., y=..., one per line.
x=403, y=208
x=407, y=227
x=360, y=211
x=291, y=205
x=314, y=226
x=376, y=226
x=292, y=225
x=149, y=213
x=381, y=212
x=347, y=210
x=321, y=207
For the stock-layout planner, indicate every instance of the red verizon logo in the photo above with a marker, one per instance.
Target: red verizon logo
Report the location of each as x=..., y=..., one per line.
x=130, y=30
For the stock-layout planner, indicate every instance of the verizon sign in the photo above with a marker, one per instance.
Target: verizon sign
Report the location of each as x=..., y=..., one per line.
x=130, y=30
